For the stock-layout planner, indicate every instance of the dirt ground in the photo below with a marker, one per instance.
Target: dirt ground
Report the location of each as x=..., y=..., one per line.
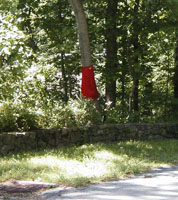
x=20, y=189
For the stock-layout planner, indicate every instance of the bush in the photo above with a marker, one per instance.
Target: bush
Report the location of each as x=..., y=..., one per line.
x=75, y=113
x=16, y=118
x=85, y=112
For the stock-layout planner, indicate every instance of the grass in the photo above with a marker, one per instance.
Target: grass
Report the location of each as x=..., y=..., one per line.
x=76, y=166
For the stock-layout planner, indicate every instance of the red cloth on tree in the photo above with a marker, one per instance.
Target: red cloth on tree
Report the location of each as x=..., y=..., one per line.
x=88, y=83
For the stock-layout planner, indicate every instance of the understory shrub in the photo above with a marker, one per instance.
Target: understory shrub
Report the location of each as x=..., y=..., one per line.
x=75, y=113
x=21, y=117
x=79, y=112
x=15, y=117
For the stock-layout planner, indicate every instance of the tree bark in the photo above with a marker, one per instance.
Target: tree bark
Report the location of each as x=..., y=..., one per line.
x=88, y=87
x=64, y=77
x=124, y=68
x=135, y=68
x=63, y=62
x=176, y=69
x=111, y=52
x=82, y=32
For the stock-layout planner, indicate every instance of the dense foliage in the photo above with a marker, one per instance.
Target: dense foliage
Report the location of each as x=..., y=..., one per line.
x=134, y=51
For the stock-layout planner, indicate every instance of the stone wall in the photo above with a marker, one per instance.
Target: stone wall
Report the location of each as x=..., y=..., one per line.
x=53, y=138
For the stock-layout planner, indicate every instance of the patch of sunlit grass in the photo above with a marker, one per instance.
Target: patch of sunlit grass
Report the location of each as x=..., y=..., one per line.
x=88, y=163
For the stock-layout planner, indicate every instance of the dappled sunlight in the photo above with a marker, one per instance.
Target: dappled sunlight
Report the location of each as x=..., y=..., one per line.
x=89, y=168
x=105, y=155
x=48, y=161
x=88, y=163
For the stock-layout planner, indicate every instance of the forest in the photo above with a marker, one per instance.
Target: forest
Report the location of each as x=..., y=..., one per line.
x=134, y=49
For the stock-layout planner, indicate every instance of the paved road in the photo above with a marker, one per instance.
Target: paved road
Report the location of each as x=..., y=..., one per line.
x=160, y=184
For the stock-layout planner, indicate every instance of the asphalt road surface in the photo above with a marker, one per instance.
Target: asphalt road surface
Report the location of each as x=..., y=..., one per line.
x=159, y=184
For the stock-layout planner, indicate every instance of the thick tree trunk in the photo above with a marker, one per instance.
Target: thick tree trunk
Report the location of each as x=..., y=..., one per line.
x=82, y=31
x=176, y=69
x=111, y=52
x=88, y=87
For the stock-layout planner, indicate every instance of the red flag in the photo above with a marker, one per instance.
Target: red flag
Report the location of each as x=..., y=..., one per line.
x=88, y=83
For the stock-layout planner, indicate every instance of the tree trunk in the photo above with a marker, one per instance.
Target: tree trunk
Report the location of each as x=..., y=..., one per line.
x=64, y=77
x=111, y=52
x=82, y=31
x=135, y=68
x=88, y=87
x=136, y=99
x=63, y=61
x=176, y=69
x=136, y=74
x=124, y=68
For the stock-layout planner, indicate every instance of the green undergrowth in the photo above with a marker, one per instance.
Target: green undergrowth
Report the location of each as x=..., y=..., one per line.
x=80, y=165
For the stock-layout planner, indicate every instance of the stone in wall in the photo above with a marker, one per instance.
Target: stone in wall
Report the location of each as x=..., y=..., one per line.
x=53, y=138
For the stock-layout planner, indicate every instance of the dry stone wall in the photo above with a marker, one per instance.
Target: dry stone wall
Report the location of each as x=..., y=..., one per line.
x=54, y=138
